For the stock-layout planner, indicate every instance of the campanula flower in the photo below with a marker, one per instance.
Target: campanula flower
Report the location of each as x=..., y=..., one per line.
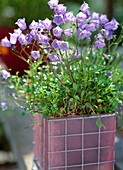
x=48, y=24
x=64, y=45
x=21, y=23
x=112, y=25
x=108, y=34
x=22, y=39
x=4, y=106
x=35, y=54
x=109, y=73
x=81, y=16
x=84, y=34
x=95, y=22
x=52, y=57
x=69, y=17
x=103, y=19
x=41, y=25
x=121, y=64
x=53, y=3
x=60, y=9
x=5, y=74
x=18, y=32
x=68, y=32
x=100, y=44
x=5, y=42
x=33, y=25
x=56, y=44
x=90, y=27
x=57, y=31
x=88, y=14
x=58, y=19
x=29, y=37
x=84, y=7
x=95, y=15
x=13, y=38
x=43, y=39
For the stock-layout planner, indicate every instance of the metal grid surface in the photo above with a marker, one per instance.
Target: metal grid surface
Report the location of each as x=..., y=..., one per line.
x=48, y=150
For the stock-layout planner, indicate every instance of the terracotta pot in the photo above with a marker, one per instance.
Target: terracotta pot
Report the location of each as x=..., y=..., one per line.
x=74, y=143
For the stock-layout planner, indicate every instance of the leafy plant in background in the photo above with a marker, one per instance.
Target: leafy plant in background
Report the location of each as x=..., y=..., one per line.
x=71, y=70
x=30, y=9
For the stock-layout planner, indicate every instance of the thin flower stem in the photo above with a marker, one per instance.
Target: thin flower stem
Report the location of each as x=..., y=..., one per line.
x=68, y=69
x=54, y=72
x=94, y=76
x=2, y=82
x=109, y=47
x=21, y=57
x=95, y=114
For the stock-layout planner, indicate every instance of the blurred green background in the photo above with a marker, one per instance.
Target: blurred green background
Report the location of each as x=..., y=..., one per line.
x=11, y=10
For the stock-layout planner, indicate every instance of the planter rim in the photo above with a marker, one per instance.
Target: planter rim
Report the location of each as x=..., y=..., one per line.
x=79, y=117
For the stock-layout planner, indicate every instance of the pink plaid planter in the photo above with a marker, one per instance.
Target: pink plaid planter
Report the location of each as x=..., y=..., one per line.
x=74, y=143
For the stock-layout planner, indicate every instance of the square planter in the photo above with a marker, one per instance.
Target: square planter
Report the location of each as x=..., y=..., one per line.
x=74, y=143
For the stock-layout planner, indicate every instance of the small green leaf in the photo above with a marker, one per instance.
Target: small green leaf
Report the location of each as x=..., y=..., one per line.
x=93, y=97
x=39, y=123
x=115, y=103
x=71, y=106
x=75, y=86
x=99, y=124
x=76, y=97
x=18, y=104
x=82, y=94
x=100, y=100
x=23, y=113
x=71, y=100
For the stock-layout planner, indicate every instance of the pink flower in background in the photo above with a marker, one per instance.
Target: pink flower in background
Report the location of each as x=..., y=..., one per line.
x=13, y=38
x=5, y=74
x=4, y=106
x=5, y=42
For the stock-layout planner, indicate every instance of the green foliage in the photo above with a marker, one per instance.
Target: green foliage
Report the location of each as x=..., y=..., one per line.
x=99, y=123
x=55, y=95
x=78, y=82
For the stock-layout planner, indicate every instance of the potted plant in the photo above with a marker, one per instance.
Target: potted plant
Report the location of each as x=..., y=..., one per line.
x=70, y=87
